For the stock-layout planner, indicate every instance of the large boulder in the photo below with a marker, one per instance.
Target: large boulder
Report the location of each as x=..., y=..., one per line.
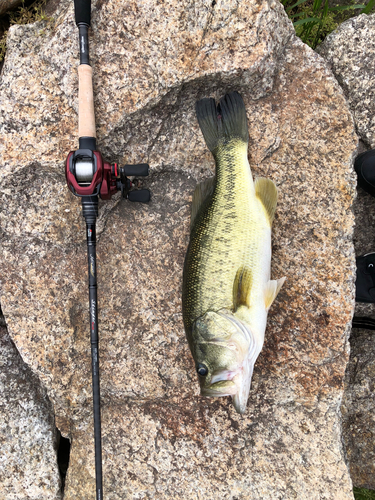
x=350, y=53
x=358, y=409
x=151, y=62
x=28, y=436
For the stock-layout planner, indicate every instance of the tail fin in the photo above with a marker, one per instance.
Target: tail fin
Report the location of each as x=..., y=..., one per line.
x=224, y=122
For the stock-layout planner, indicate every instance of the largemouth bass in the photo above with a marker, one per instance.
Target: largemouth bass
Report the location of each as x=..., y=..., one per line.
x=227, y=289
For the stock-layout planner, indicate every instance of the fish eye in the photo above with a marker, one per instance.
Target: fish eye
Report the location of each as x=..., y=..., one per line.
x=202, y=369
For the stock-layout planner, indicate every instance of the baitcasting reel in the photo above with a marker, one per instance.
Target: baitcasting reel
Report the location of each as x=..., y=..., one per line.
x=87, y=174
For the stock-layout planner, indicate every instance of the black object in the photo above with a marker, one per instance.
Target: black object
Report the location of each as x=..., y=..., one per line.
x=364, y=165
x=363, y=322
x=87, y=143
x=94, y=337
x=82, y=10
x=365, y=282
x=83, y=43
x=140, y=195
x=141, y=169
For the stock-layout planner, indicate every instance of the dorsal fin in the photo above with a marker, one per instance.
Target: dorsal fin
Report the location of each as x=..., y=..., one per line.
x=266, y=191
x=271, y=290
x=241, y=287
x=202, y=191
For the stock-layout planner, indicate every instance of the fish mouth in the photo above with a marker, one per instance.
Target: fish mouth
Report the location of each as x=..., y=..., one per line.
x=220, y=389
x=222, y=383
x=242, y=395
x=235, y=382
x=237, y=387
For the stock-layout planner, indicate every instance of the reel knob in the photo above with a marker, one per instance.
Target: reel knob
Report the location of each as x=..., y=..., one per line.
x=139, y=195
x=139, y=170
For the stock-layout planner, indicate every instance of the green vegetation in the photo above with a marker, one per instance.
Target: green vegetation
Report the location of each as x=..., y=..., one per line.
x=25, y=14
x=362, y=494
x=313, y=20
x=3, y=46
x=29, y=14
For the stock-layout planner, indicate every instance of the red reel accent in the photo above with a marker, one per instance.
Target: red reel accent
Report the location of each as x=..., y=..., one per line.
x=108, y=187
x=97, y=179
x=103, y=178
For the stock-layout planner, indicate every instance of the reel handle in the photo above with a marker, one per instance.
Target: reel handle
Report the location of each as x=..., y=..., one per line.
x=139, y=195
x=140, y=170
x=82, y=9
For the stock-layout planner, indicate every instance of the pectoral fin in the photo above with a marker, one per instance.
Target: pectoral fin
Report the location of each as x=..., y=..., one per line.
x=202, y=191
x=266, y=191
x=271, y=290
x=241, y=287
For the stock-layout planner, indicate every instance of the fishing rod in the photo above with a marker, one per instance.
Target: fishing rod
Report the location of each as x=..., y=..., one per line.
x=90, y=177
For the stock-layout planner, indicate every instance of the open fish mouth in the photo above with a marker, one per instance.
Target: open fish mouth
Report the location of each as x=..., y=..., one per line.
x=220, y=389
x=238, y=387
x=242, y=395
x=222, y=383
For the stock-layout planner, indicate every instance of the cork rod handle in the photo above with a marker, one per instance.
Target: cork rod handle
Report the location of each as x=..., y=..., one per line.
x=86, y=115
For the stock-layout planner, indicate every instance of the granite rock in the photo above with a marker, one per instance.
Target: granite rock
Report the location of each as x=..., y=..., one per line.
x=152, y=61
x=28, y=436
x=349, y=51
x=358, y=409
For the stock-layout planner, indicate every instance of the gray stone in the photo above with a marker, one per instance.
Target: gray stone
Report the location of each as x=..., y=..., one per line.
x=363, y=238
x=358, y=408
x=28, y=436
x=358, y=405
x=350, y=52
x=151, y=62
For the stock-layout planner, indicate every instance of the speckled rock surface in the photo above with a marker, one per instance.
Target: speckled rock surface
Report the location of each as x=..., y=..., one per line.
x=28, y=440
x=350, y=53
x=358, y=408
x=358, y=405
x=152, y=61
